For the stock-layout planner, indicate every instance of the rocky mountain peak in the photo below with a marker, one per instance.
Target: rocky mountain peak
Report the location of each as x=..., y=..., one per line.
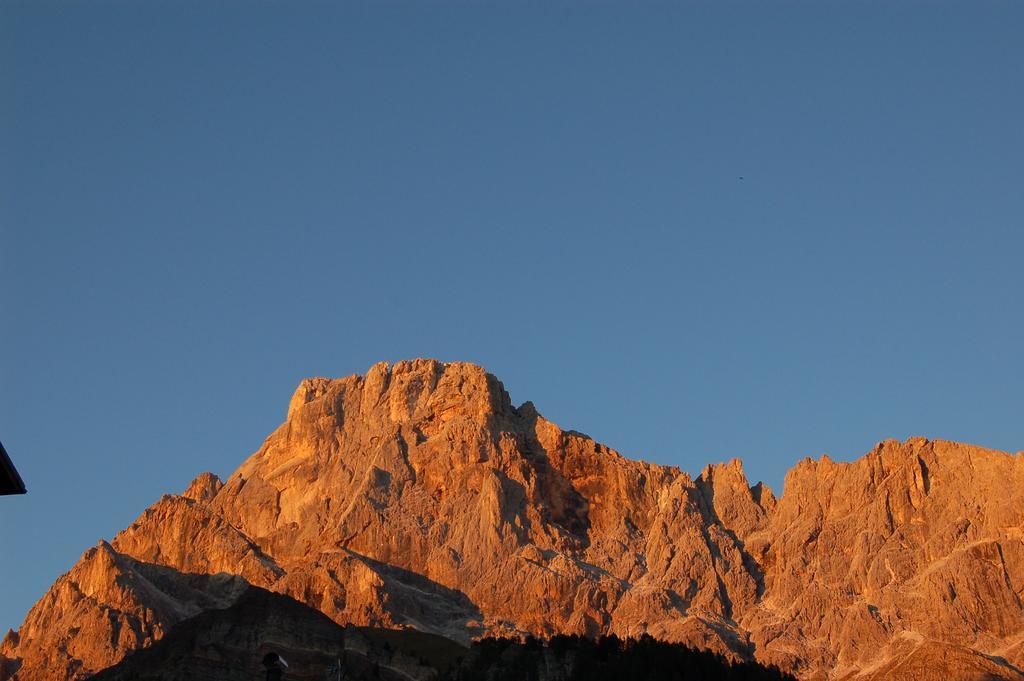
x=204, y=488
x=405, y=391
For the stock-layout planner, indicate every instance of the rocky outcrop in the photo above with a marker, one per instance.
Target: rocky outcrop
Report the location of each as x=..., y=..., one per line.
x=911, y=552
x=107, y=605
x=418, y=495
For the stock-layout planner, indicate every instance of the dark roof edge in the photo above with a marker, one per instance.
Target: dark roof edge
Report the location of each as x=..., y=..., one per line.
x=10, y=481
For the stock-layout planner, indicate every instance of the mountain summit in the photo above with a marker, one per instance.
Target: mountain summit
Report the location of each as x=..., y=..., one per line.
x=419, y=496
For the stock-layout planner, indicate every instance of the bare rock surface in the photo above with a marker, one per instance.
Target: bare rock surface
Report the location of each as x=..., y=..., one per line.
x=419, y=496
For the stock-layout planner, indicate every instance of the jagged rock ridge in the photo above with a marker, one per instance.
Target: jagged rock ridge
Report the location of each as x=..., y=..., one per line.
x=418, y=495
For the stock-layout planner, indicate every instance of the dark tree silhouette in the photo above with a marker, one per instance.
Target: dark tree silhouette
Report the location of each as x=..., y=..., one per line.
x=577, y=658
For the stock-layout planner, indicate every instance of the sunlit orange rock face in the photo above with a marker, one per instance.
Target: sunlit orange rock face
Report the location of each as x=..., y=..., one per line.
x=418, y=495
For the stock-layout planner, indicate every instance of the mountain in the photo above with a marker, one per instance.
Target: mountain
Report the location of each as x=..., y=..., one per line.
x=419, y=496
x=230, y=644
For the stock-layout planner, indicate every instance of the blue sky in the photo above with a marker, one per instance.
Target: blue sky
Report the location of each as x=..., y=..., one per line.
x=693, y=231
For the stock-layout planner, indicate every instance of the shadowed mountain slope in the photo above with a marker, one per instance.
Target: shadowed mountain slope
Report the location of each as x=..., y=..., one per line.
x=229, y=645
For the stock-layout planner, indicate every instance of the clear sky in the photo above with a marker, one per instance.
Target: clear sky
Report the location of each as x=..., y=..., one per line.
x=692, y=231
